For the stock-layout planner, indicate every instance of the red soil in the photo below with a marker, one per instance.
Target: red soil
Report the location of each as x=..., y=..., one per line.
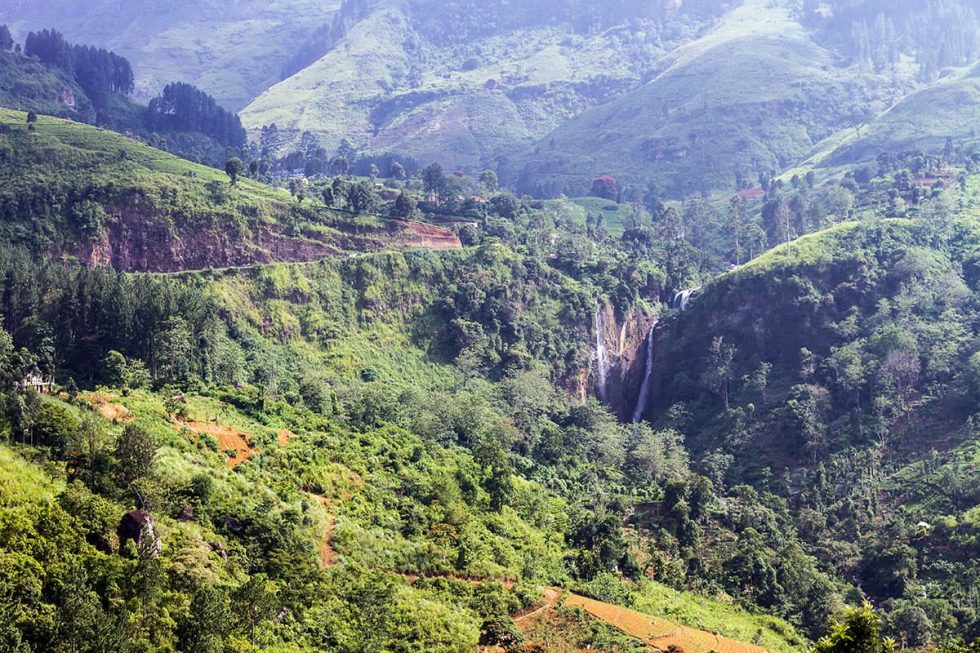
x=420, y=234
x=114, y=412
x=229, y=439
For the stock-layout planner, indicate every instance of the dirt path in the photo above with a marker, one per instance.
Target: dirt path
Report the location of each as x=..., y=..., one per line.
x=660, y=633
x=327, y=554
x=551, y=596
x=229, y=438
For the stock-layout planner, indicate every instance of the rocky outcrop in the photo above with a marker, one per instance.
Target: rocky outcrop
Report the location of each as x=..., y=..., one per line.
x=624, y=340
x=138, y=239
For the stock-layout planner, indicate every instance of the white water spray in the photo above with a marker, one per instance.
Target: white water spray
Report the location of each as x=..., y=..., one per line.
x=641, y=400
x=683, y=297
x=601, y=360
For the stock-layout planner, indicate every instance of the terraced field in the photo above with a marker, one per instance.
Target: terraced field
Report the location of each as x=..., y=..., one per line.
x=660, y=633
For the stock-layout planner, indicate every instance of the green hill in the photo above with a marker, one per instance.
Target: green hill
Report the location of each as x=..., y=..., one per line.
x=233, y=51
x=929, y=120
x=750, y=97
x=30, y=86
x=869, y=384
x=437, y=81
x=74, y=190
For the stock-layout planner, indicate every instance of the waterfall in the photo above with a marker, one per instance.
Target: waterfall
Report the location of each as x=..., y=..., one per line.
x=641, y=400
x=683, y=297
x=600, y=356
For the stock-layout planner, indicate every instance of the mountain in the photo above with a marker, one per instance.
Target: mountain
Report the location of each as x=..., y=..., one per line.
x=931, y=120
x=31, y=86
x=471, y=83
x=842, y=369
x=233, y=51
x=753, y=95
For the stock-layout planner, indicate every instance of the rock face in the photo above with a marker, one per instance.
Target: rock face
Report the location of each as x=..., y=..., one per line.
x=623, y=341
x=138, y=526
x=137, y=240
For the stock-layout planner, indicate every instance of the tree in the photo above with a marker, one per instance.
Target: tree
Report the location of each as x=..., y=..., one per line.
x=489, y=180
x=339, y=165
x=234, y=168
x=31, y=120
x=858, y=632
x=361, y=198
x=719, y=370
x=606, y=187
x=136, y=449
x=499, y=482
x=204, y=628
x=434, y=180
x=6, y=40
x=405, y=207
x=397, y=171
x=254, y=603
x=736, y=226
x=183, y=107
x=297, y=188
x=114, y=369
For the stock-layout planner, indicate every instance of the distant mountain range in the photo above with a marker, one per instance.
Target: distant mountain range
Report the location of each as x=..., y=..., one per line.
x=682, y=95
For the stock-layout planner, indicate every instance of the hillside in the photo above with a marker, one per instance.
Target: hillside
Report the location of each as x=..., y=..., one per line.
x=30, y=86
x=102, y=198
x=939, y=117
x=233, y=51
x=750, y=97
x=843, y=371
x=436, y=81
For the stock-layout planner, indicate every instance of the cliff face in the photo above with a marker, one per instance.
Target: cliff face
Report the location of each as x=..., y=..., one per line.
x=624, y=342
x=138, y=239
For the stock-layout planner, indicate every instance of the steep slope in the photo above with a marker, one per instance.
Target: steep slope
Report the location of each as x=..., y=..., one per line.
x=946, y=112
x=30, y=86
x=751, y=96
x=231, y=50
x=465, y=84
x=843, y=373
x=73, y=190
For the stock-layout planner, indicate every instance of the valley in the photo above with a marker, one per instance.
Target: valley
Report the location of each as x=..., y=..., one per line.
x=489, y=327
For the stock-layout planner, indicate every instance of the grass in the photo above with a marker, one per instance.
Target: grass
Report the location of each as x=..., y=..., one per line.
x=707, y=115
x=189, y=212
x=28, y=84
x=722, y=617
x=232, y=51
x=949, y=109
x=374, y=90
x=614, y=214
x=22, y=482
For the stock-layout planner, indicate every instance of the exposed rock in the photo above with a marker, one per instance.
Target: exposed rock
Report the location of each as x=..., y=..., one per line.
x=138, y=526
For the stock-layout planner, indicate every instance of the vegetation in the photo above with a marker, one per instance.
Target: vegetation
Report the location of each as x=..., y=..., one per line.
x=337, y=394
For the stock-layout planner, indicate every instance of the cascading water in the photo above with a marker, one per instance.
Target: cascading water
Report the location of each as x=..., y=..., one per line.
x=601, y=360
x=641, y=401
x=683, y=297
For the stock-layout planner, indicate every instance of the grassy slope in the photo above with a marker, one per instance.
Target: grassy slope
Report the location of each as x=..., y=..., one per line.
x=186, y=214
x=31, y=86
x=950, y=109
x=307, y=315
x=231, y=50
x=388, y=88
x=717, y=615
x=753, y=94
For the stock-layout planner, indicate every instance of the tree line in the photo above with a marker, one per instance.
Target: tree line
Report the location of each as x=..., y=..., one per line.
x=183, y=107
x=98, y=71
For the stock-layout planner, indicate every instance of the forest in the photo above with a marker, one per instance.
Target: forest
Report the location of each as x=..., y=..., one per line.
x=267, y=390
